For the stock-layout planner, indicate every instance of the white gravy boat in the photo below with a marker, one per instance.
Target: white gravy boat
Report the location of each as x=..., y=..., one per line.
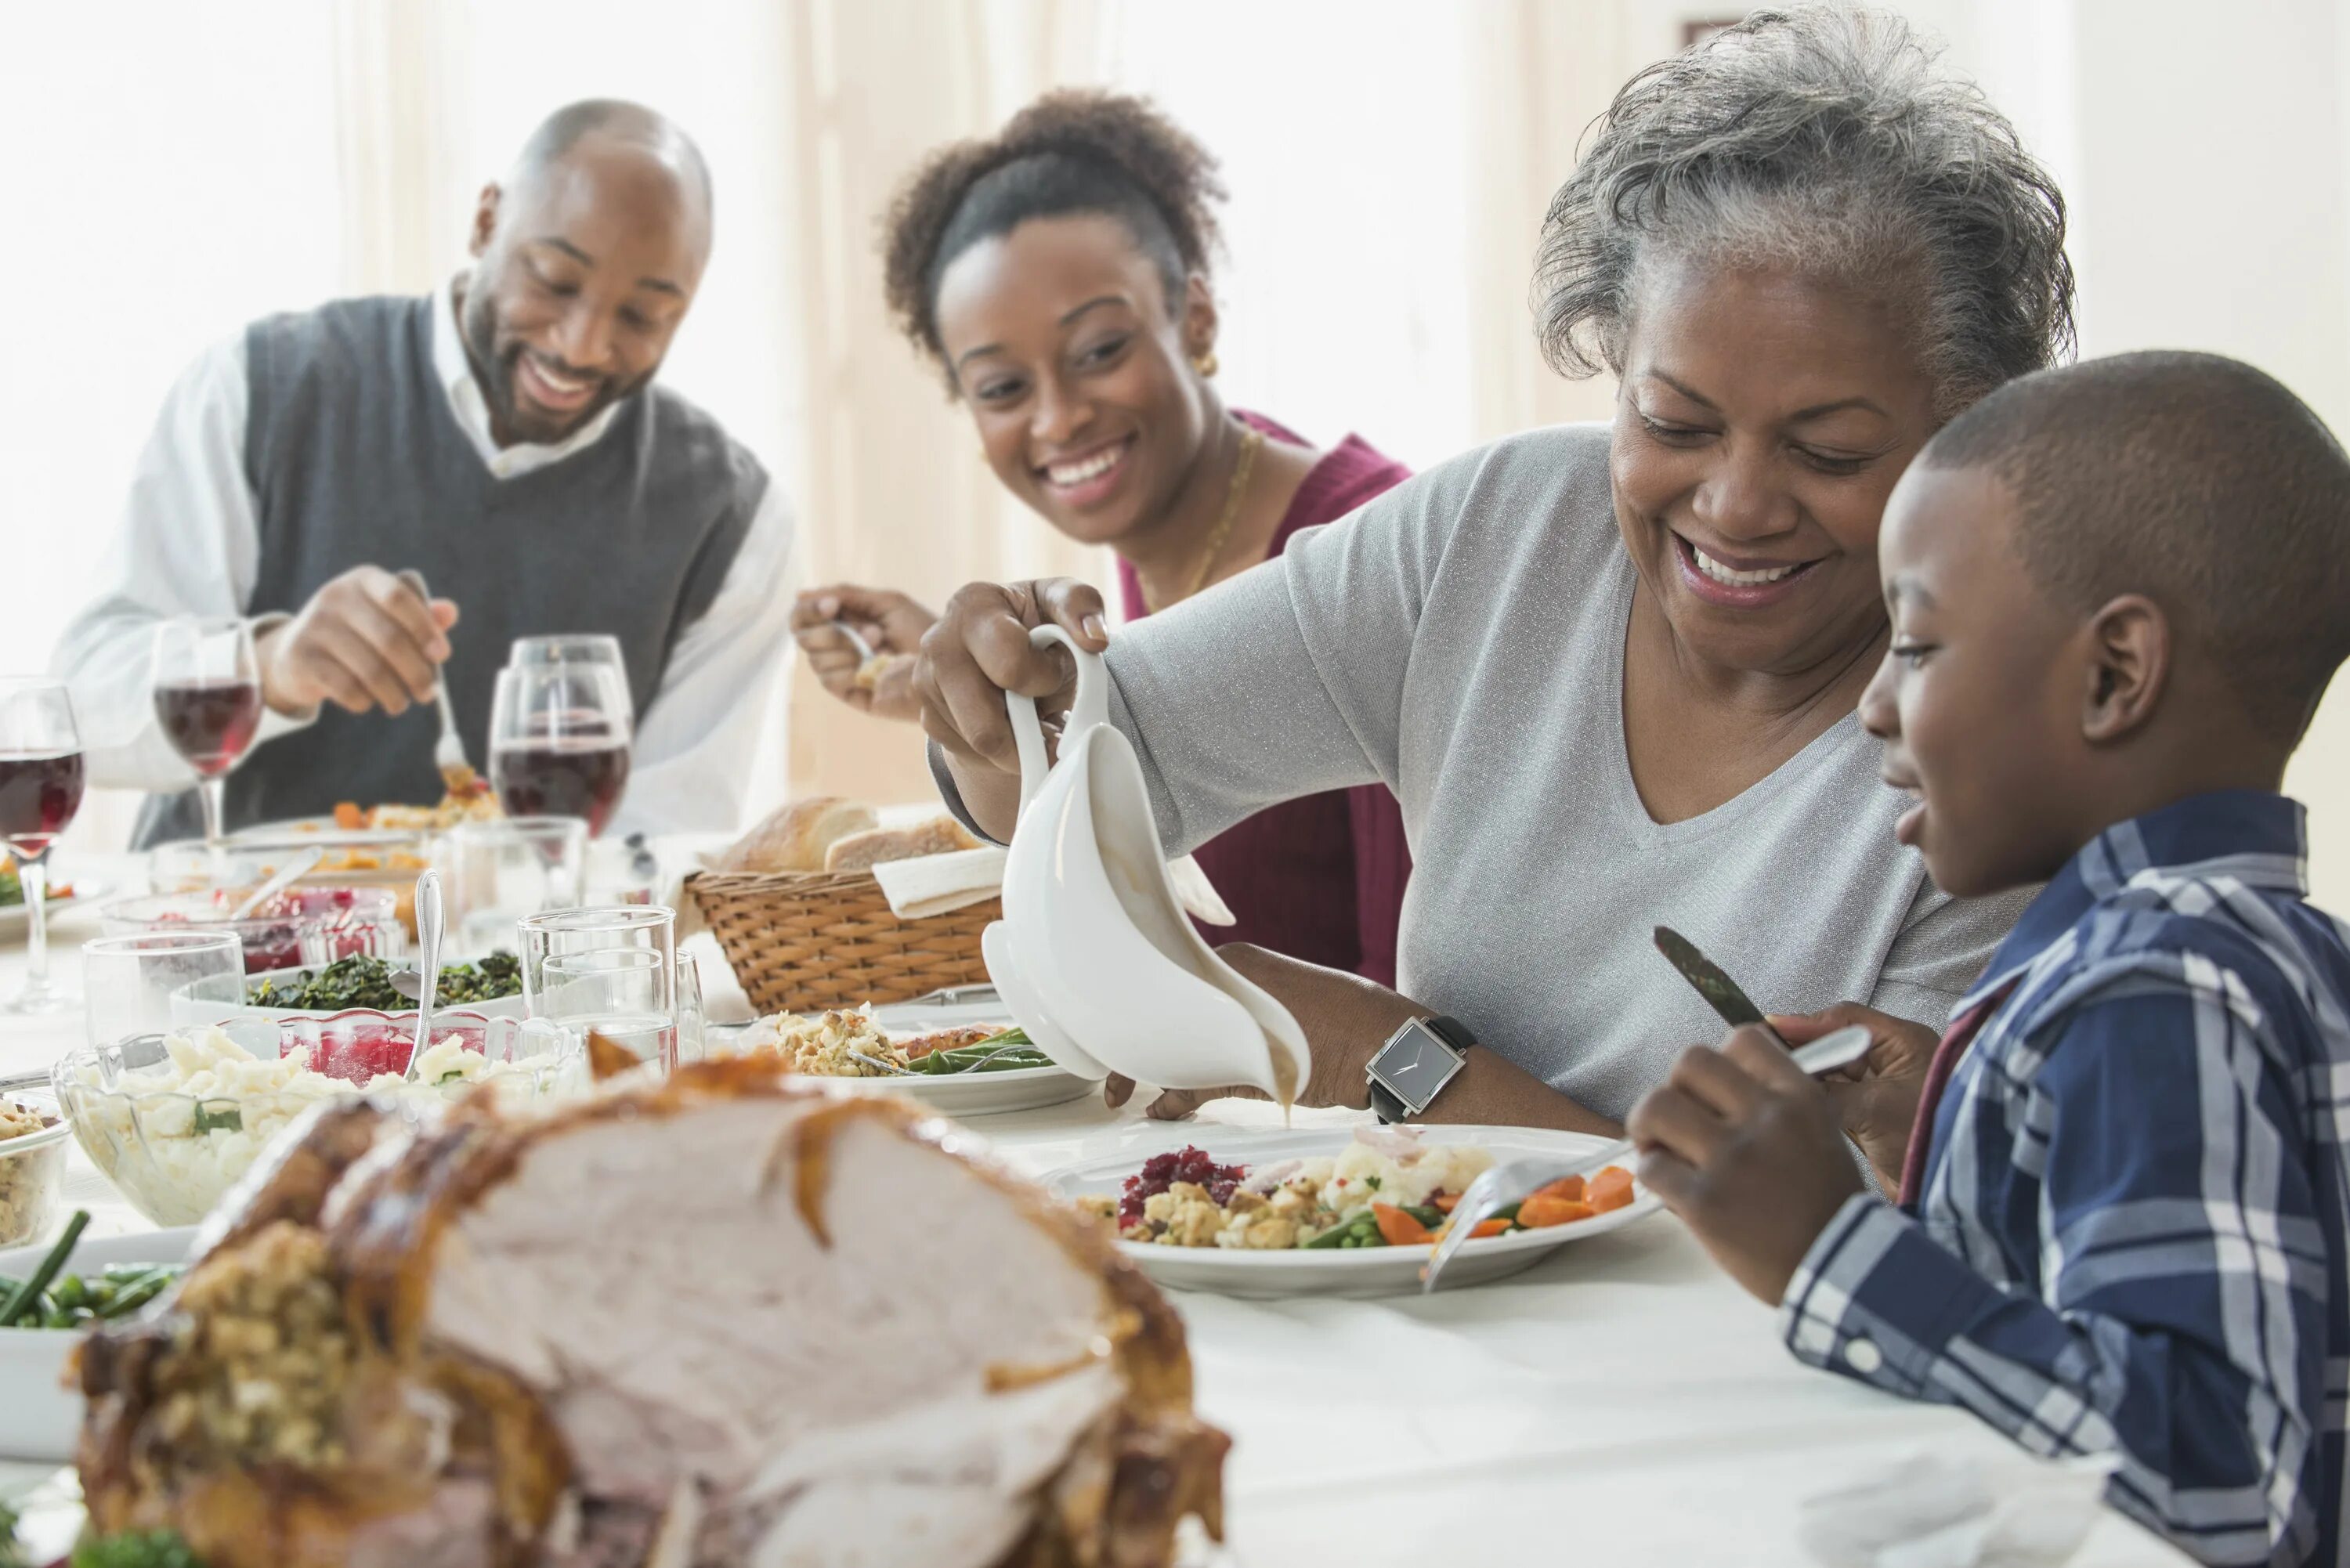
x=1094, y=955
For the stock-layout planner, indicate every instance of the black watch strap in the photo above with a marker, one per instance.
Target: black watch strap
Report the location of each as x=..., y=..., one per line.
x=1386, y=1106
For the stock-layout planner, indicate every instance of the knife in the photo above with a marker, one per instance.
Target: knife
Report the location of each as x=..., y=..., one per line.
x=1720, y=992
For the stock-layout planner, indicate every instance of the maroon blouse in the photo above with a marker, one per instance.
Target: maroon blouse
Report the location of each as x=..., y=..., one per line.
x=1320, y=877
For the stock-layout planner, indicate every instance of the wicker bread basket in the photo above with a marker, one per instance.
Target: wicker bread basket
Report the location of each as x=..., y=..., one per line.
x=800, y=941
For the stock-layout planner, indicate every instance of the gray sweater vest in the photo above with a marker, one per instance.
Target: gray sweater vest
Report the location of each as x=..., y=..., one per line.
x=355, y=458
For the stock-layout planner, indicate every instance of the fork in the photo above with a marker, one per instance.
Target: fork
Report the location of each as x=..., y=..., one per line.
x=448, y=751
x=1513, y=1182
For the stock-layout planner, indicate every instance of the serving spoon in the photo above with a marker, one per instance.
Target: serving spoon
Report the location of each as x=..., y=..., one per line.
x=300, y=866
x=428, y=943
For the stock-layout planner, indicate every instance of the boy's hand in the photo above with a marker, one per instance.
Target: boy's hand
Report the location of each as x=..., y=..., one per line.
x=1875, y=1099
x=1745, y=1149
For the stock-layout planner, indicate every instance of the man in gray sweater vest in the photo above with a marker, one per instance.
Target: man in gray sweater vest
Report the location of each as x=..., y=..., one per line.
x=503, y=438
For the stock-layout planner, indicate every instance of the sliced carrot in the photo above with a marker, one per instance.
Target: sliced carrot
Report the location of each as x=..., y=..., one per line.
x=349, y=815
x=1569, y=1188
x=1611, y=1189
x=1445, y=1202
x=1399, y=1229
x=1539, y=1213
x=1493, y=1227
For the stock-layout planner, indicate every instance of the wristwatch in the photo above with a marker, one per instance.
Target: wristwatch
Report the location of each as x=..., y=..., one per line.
x=1411, y=1069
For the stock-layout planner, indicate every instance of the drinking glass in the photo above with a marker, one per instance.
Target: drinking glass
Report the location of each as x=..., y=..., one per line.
x=207, y=687
x=612, y=970
x=132, y=982
x=573, y=647
x=40, y=790
x=498, y=872
x=559, y=737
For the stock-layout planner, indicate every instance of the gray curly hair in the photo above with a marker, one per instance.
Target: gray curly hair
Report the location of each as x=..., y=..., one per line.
x=1823, y=140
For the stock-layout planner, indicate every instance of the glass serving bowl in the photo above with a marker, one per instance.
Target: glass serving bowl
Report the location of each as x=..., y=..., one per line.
x=302, y=926
x=175, y=1120
x=32, y=1172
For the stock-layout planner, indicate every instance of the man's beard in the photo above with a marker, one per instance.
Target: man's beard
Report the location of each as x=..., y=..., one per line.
x=493, y=370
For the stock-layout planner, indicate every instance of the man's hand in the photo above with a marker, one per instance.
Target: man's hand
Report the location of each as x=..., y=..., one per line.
x=1346, y=1019
x=1875, y=1099
x=1745, y=1149
x=891, y=625
x=365, y=641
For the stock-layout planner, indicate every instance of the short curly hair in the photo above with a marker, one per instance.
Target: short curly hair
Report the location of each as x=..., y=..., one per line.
x=1825, y=140
x=1075, y=150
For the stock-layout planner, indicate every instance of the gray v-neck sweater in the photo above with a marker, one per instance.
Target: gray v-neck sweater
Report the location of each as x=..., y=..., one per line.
x=1461, y=639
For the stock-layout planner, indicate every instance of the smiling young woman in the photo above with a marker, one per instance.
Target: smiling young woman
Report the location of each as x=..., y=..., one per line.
x=1611, y=671
x=1058, y=274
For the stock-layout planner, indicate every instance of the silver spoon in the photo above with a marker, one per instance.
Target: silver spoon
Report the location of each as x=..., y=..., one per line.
x=428, y=943
x=885, y=1066
x=1506, y=1184
x=301, y=865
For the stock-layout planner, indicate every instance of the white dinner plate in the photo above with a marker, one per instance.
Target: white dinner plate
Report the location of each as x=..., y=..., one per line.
x=86, y=891
x=1365, y=1271
x=961, y=1094
x=39, y=1417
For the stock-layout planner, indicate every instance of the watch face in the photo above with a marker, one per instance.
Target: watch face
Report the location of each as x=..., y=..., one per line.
x=1415, y=1067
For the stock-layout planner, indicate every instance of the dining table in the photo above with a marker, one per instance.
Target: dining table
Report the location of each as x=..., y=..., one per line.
x=1620, y=1402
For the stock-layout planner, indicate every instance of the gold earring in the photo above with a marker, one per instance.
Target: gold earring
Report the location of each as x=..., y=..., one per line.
x=1205, y=363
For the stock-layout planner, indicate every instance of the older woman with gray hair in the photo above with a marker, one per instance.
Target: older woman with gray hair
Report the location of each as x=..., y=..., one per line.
x=1610, y=671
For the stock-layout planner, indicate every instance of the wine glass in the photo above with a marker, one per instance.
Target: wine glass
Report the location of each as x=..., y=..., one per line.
x=573, y=647
x=40, y=790
x=559, y=736
x=207, y=688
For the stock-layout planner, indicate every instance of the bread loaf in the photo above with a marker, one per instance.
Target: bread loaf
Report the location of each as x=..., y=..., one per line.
x=797, y=837
x=938, y=836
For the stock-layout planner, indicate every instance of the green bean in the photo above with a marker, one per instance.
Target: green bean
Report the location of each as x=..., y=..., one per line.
x=30, y=1290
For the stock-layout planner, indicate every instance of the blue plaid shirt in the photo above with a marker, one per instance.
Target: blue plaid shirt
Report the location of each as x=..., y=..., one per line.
x=2131, y=1238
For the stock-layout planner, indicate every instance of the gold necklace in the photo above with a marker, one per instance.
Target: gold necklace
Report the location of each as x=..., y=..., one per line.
x=1249, y=442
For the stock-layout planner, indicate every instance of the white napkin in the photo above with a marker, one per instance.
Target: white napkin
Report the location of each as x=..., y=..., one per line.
x=1969, y=1511
x=936, y=884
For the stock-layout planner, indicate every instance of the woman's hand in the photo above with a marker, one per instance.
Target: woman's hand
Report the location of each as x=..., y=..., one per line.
x=1346, y=1018
x=1875, y=1099
x=978, y=651
x=890, y=623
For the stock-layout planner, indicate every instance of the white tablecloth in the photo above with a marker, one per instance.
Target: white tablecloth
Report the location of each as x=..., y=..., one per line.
x=1622, y=1403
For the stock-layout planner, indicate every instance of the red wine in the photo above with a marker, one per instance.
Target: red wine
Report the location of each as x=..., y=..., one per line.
x=210, y=723
x=560, y=778
x=38, y=796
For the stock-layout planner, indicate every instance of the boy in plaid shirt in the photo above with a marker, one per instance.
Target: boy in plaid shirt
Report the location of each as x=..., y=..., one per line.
x=2118, y=592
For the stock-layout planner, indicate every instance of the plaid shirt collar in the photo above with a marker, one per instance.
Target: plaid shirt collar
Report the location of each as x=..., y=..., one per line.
x=2259, y=838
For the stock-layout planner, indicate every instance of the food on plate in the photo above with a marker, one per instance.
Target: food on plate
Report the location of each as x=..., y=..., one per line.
x=830, y=1045
x=32, y=1172
x=11, y=885
x=363, y=980
x=795, y=837
x=176, y=1136
x=863, y=851
x=474, y=804
x=460, y=1338
x=51, y=1298
x=1390, y=1187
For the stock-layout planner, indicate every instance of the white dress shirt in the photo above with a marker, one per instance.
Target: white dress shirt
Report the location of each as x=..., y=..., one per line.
x=190, y=543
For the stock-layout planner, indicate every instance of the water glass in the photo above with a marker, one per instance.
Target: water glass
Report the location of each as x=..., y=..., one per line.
x=497, y=873
x=155, y=982
x=612, y=970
